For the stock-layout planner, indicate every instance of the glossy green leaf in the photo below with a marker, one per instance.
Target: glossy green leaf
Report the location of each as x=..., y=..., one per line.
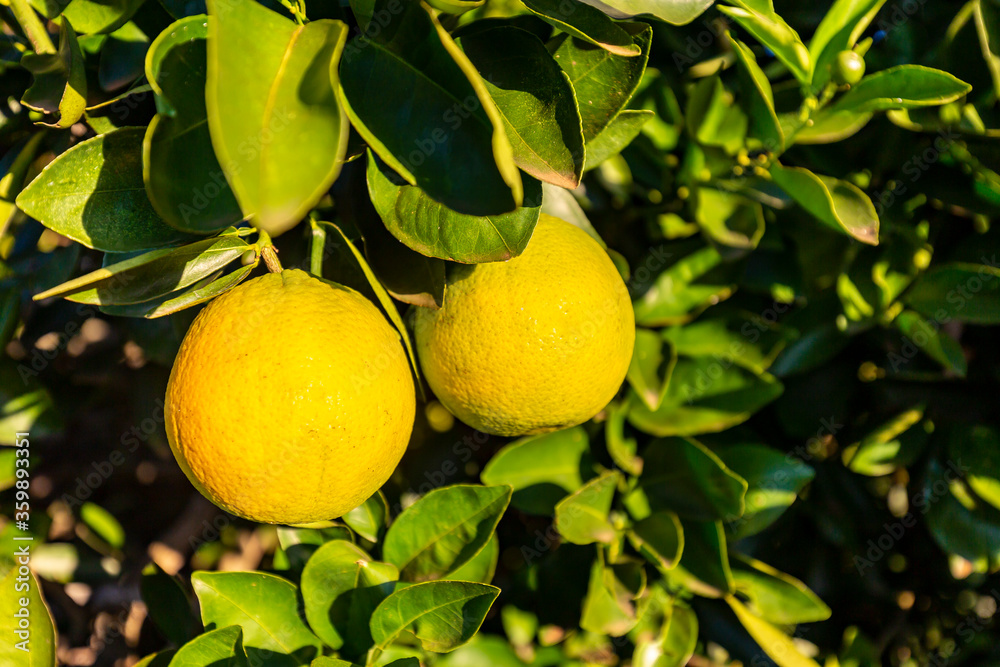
x=676, y=296
x=676, y=643
x=977, y=448
x=168, y=604
x=39, y=647
x=618, y=134
x=686, y=477
x=325, y=661
x=341, y=587
x=219, y=648
x=730, y=219
x=457, y=151
x=902, y=87
x=713, y=119
x=714, y=338
x=651, y=366
x=604, y=82
x=534, y=97
x=659, y=538
x=443, y=615
x=988, y=29
x=706, y=396
x=677, y=12
x=896, y=443
x=160, y=659
x=837, y=204
x=758, y=99
x=775, y=643
x=276, y=125
x=774, y=481
x=59, y=83
x=587, y=23
x=435, y=230
x=840, y=28
x=771, y=31
x=705, y=559
x=94, y=194
x=122, y=57
x=959, y=291
x=972, y=533
x=370, y=518
x=610, y=606
x=92, y=16
x=388, y=307
x=174, y=302
x=103, y=523
x=829, y=126
x=481, y=567
x=777, y=597
x=444, y=530
x=151, y=274
x=455, y=6
x=183, y=178
x=541, y=469
x=265, y=606
x=582, y=516
x=621, y=448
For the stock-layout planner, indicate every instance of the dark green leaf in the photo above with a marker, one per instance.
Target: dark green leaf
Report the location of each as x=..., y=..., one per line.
x=218, y=648
x=902, y=87
x=444, y=530
x=582, y=516
x=200, y=292
x=587, y=23
x=938, y=345
x=542, y=469
x=183, y=178
x=369, y=519
x=675, y=296
x=837, y=204
x=651, y=366
x=761, y=21
x=265, y=606
x=959, y=291
x=706, y=559
x=168, y=604
x=442, y=615
x=730, y=219
x=604, y=82
x=482, y=566
x=759, y=99
x=277, y=127
x=60, y=81
x=123, y=57
x=774, y=481
x=659, y=538
x=535, y=99
x=455, y=148
x=434, y=230
x=94, y=194
x=618, y=134
x=713, y=119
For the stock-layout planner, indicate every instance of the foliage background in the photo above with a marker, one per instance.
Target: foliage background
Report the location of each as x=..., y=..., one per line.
x=796, y=345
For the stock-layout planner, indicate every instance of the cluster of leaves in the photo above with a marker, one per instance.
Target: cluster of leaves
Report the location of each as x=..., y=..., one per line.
x=728, y=167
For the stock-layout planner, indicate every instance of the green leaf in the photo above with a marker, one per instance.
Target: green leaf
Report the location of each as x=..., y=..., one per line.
x=837, y=204
x=758, y=99
x=482, y=566
x=93, y=16
x=457, y=151
x=276, y=126
x=385, y=301
x=957, y=291
x=895, y=444
x=444, y=530
x=534, y=97
x=677, y=12
x=152, y=274
x=686, y=477
x=829, y=126
x=168, y=603
x=659, y=538
x=604, y=82
x=777, y=597
x=587, y=23
x=902, y=87
x=94, y=194
x=265, y=606
x=976, y=448
x=455, y=6
x=988, y=29
x=610, y=606
x=104, y=524
x=200, y=292
x=443, y=615
x=676, y=643
x=331, y=662
x=25, y=404
x=775, y=643
x=341, y=587
x=183, y=178
x=772, y=32
x=59, y=83
x=774, y=481
x=621, y=449
x=122, y=57
x=714, y=338
x=370, y=518
x=39, y=649
x=161, y=659
x=705, y=559
x=219, y=648
x=435, y=230
x=541, y=469
x=706, y=396
x=651, y=366
x=582, y=516
x=675, y=297
x=713, y=119
x=840, y=28
x=618, y=134
x=730, y=219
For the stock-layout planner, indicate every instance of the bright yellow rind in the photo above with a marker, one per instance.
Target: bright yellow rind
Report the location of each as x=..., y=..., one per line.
x=290, y=401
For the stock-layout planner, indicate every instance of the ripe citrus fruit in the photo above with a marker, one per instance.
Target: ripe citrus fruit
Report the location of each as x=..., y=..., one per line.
x=533, y=344
x=290, y=401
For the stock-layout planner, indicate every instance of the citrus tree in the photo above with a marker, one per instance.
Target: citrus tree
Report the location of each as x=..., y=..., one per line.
x=708, y=289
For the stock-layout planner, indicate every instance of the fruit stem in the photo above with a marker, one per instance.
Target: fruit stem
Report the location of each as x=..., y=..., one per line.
x=316, y=248
x=268, y=252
